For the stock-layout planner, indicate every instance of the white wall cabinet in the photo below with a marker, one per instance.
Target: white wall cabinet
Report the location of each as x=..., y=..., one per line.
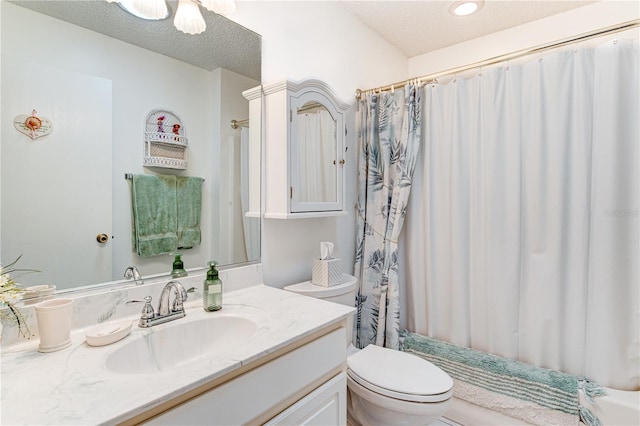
x=304, y=150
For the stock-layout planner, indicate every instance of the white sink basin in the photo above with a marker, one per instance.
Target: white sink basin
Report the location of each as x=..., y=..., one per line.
x=175, y=344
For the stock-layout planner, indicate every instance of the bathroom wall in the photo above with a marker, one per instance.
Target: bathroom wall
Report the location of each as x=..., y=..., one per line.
x=319, y=39
x=309, y=39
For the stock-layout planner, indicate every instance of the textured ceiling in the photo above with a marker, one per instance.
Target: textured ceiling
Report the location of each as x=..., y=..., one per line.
x=417, y=27
x=414, y=27
x=224, y=44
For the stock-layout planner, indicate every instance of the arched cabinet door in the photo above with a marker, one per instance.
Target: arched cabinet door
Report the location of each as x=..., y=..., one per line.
x=304, y=150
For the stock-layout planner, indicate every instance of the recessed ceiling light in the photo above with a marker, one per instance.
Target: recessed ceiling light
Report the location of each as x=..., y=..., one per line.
x=465, y=7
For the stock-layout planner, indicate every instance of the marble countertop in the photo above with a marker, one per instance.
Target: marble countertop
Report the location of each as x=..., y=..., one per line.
x=74, y=385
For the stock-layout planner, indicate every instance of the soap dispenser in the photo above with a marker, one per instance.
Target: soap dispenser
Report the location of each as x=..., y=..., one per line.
x=178, y=270
x=212, y=290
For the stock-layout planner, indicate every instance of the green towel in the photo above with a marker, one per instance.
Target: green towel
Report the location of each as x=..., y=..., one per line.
x=155, y=216
x=189, y=199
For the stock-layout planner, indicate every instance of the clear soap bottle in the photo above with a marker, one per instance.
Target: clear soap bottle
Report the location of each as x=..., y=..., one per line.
x=178, y=270
x=212, y=290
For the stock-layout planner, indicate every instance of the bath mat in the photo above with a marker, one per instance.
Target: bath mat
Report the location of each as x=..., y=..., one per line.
x=533, y=394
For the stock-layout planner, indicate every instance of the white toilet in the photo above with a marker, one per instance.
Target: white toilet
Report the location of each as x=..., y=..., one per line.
x=385, y=386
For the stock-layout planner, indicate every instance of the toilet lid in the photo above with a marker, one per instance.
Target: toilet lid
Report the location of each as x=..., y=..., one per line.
x=306, y=288
x=399, y=375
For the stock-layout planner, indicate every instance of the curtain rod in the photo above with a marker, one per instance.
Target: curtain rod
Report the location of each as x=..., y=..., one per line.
x=509, y=56
x=239, y=123
x=310, y=106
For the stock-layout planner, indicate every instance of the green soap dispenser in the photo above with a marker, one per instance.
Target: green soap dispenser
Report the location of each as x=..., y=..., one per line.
x=178, y=270
x=212, y=290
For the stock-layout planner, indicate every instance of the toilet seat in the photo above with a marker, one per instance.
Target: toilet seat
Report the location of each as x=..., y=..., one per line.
x=404, y=376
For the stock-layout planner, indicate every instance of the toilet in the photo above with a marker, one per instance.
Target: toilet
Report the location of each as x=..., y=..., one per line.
x=385, y=386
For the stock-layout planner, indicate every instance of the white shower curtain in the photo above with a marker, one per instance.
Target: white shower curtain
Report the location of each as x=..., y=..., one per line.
x=522, y=236
x=317, y=149
x=251, y=225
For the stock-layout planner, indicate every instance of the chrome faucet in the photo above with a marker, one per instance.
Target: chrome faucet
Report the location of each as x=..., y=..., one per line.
x=166, y=311
x=131, y=273
x=181, y=296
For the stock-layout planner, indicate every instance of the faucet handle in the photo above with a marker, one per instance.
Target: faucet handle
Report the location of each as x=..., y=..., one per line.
x=181, y=297
x=147, y=310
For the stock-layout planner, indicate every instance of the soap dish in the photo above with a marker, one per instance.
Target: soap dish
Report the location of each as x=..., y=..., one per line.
x=107, y=333
x=38, y=291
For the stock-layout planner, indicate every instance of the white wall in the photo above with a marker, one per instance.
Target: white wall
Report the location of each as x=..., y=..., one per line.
x=319, y=39
x=306, y=39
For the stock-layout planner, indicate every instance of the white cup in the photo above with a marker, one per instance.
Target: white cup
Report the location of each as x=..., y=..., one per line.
x=54, y=324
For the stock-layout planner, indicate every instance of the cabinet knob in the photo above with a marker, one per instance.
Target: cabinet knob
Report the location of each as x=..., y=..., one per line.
x=342, y=162
x=102, y=238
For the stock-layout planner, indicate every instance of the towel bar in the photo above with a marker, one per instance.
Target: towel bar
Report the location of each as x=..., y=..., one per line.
x=129, y=176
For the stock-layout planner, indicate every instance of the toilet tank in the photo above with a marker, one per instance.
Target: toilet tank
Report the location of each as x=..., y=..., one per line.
x=344, y=294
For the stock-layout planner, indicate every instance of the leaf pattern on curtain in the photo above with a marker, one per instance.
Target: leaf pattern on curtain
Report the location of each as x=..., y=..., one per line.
x=389, y=137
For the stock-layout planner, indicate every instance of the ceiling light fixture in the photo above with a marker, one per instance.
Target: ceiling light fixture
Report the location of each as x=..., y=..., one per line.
x=188, y=17
x=152, y=10
x=465, y=7
x=221, y=7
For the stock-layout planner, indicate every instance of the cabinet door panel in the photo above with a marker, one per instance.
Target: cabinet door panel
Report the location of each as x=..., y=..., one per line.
x=326, y=405
x=316, y=154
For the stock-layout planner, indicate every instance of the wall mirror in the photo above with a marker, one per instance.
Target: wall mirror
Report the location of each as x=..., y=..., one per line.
x=96, y=72
x=317, y=154
x=317, y=160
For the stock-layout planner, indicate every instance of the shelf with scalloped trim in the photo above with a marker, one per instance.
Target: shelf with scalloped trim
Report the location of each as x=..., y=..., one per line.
x=165, y=141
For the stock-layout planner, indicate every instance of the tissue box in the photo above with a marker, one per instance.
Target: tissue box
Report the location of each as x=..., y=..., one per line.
x=327, y=272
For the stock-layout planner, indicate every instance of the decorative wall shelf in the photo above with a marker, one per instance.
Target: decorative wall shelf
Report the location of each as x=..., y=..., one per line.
x=165, y=141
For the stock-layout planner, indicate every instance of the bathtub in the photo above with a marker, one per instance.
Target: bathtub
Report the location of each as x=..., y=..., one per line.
x=617, y=408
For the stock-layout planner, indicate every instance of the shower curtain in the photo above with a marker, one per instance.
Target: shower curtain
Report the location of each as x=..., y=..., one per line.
x=522, y=233
x=250, y=225
x=318, y=182
x=389, y=139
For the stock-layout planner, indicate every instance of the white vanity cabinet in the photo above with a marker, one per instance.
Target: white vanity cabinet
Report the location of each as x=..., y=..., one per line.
x=306, y=385
x=289, y=370
x=304, y=150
